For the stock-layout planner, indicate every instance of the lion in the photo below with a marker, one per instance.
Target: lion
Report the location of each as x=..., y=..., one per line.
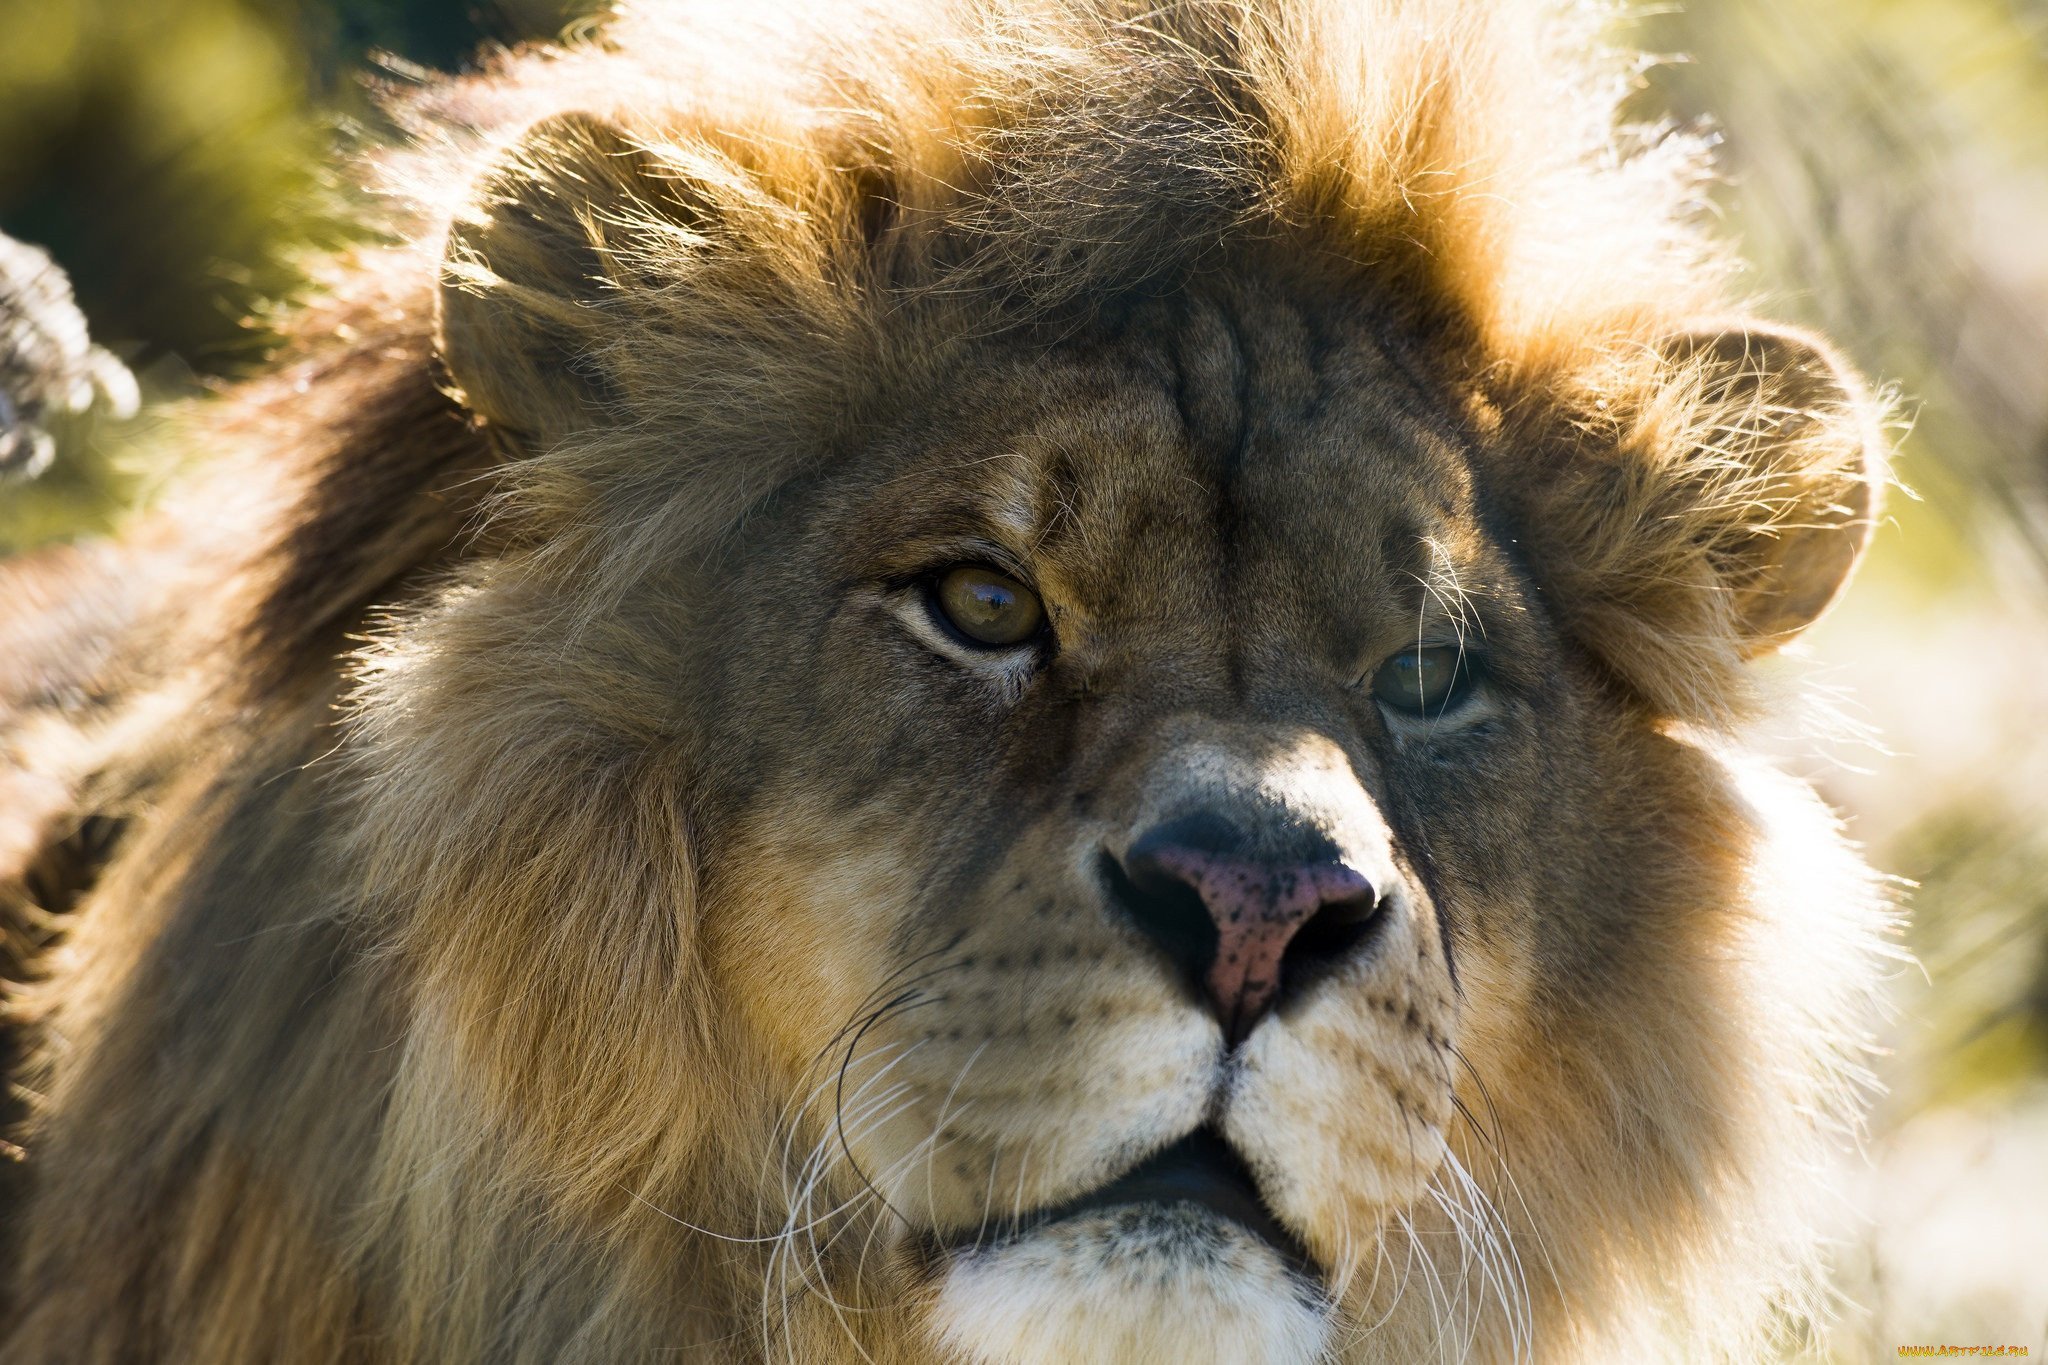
x=983, y=681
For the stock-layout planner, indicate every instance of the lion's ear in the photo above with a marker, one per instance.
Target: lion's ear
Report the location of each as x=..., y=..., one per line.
x=536, y=263
x=1714, y=503
x=1794, y=463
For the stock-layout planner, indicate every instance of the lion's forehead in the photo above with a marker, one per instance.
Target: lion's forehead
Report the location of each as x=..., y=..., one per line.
x=1240, y=445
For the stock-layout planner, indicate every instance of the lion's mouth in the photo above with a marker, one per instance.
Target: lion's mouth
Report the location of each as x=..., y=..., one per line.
x=1201, y=1169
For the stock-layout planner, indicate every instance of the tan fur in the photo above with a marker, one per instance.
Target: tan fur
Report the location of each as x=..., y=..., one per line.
x=570, y=902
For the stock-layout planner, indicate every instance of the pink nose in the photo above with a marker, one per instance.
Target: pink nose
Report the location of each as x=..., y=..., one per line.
x=1267, y=918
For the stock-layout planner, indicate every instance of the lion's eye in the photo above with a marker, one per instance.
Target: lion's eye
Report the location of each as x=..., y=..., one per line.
x=986, y=607
x=1424, y=682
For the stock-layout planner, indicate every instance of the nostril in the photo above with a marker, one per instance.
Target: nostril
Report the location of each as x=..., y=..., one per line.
x=1166, y=909
x=1332, y=936
x=1243, y=932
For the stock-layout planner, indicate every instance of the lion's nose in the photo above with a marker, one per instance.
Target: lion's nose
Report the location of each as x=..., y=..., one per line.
x=1245, y=929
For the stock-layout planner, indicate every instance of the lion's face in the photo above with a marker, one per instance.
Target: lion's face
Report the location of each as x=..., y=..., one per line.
x=1129, y=953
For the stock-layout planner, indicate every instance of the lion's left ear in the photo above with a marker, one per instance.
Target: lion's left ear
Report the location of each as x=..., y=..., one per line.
x=1713, y=499
x=1795, y=434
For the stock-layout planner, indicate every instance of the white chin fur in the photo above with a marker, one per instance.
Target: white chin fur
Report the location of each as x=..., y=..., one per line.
x=1139, y=1285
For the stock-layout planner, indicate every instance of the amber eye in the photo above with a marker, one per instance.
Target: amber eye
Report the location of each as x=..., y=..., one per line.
x=986, y=607
x=1424, y=682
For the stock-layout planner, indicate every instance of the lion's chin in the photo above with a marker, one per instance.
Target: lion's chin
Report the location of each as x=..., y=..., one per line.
x=1142, y=1284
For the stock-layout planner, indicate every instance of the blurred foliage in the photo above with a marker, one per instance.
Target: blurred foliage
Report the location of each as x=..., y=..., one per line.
x=1886, y=168
x=176, y=156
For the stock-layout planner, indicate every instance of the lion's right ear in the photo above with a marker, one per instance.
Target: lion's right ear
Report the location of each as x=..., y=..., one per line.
x=1710, y=501
x=534, y=267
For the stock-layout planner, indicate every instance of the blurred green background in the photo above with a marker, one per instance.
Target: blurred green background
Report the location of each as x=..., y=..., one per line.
x=1886, y=170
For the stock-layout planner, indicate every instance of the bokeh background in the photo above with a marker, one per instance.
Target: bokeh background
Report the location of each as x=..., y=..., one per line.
x=1886, y=171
